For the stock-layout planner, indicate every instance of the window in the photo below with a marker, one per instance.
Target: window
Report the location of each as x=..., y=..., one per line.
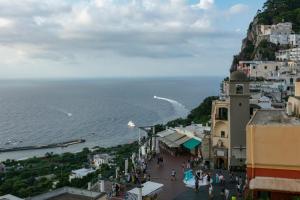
x=239, y=89
x=291, y=80
x=266, y=67
x=276, y=68
x=253, y=67
x=222, y=134
x=222, y=114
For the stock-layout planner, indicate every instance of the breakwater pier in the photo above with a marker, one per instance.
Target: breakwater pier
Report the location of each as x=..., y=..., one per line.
x=47, y=146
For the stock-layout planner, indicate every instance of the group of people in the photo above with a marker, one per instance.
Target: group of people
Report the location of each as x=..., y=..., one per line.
x=201, y=176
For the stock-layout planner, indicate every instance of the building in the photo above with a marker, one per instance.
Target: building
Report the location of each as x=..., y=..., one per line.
x=228, y=124
x=2, y=168
x=273, y=161
x=276, y=29
x=69, y=193
x=220, y=133
x=294, y=39
x=100, y=159
x=292, y=54
x=80, y=173
x=239, y=115
x=262, y=69
x=148, y=190
x=281, y=34
x=10, y=197
x=183, y=139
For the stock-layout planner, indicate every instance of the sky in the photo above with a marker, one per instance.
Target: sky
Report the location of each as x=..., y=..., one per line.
x=121, y=38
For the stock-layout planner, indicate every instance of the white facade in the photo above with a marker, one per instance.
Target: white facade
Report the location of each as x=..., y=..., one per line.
x=9, y=197
x=294, y=39
x=196, y=131
x=2, y=168
x=280, y=34
x=80, y=173
x=289, y=54
x=263, y=102
x=266, y=69
x=100, y=159
x=277, y=29
x=279, y=39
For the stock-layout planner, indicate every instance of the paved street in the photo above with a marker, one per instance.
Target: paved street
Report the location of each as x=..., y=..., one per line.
x=176, y=189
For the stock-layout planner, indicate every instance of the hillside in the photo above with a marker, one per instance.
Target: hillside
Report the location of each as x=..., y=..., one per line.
x=273, y=12
x=199, y=115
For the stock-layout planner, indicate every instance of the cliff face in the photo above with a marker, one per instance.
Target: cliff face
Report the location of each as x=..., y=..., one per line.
x=255, y=47
x=274, y=11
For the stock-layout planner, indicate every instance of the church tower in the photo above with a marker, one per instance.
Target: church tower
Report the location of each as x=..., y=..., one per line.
x=239, y=116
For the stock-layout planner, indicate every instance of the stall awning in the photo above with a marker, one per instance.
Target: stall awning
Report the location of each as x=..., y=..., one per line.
x=191, y=144
x=166, y=133
x=275, y=184
x=170, y=140
x=175, y=136
x=149, y=188
x=182, y=140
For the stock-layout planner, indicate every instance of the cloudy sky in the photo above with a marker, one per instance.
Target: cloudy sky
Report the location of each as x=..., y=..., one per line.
x=105, y=38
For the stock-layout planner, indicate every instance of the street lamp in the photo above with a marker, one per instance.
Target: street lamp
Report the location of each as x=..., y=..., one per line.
x=132, y=125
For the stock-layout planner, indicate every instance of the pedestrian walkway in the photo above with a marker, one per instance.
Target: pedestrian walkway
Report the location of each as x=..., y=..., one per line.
x=176, y=189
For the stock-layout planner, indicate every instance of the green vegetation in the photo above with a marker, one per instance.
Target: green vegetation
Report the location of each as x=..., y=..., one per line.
x=276, y=11
x=266, y=50
x=248, y=52
x=29, y=177
x=200, y=114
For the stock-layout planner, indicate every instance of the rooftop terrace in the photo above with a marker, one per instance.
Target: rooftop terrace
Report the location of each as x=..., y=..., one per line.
x=274, y=117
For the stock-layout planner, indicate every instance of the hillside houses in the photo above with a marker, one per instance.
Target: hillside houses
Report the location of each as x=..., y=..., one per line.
x=281, y=34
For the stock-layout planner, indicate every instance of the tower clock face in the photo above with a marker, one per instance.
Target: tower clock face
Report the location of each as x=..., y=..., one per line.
x=239, y=89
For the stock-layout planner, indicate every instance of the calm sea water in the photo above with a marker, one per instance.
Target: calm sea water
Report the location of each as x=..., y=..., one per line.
x=42, y=112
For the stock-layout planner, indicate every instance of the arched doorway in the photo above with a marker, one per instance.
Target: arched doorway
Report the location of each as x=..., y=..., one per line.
x=220, y=163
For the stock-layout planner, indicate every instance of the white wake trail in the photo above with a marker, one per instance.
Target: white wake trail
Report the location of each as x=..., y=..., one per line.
x=62, y=111
x=180, y=109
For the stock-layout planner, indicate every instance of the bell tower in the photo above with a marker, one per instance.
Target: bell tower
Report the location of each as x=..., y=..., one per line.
x=239, y=116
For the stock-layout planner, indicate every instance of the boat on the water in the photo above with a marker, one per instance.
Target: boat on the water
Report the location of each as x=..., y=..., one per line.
x=131, y=124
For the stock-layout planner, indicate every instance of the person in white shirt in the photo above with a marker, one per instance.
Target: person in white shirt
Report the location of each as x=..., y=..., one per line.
x=226, y=193
x=210, y=191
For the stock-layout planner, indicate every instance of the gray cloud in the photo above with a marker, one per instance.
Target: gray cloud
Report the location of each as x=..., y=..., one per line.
x=63, y=31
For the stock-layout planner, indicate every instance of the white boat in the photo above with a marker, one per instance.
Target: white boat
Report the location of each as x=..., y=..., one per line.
x=131, y=124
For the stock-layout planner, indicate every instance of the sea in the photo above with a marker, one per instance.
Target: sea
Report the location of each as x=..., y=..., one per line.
x=39, y=112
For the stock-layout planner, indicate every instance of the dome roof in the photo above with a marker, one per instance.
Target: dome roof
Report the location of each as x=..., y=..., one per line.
x=238, y=76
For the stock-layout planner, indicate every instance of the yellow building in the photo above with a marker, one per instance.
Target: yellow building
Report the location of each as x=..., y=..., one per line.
x=220, y=133
x=273, y=151
x=228, y=124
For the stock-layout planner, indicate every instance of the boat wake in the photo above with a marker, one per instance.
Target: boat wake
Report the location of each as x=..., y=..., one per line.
x=180, y=109
x=63, y=111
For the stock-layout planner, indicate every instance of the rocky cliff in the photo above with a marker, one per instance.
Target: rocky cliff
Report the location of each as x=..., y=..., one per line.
x=273, y=12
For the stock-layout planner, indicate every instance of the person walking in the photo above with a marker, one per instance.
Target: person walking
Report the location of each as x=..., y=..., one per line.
x=196, y=183
x=173, y=175
x=183, y=167
x=210, y=191
x=226, y=194
x=217, y=178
